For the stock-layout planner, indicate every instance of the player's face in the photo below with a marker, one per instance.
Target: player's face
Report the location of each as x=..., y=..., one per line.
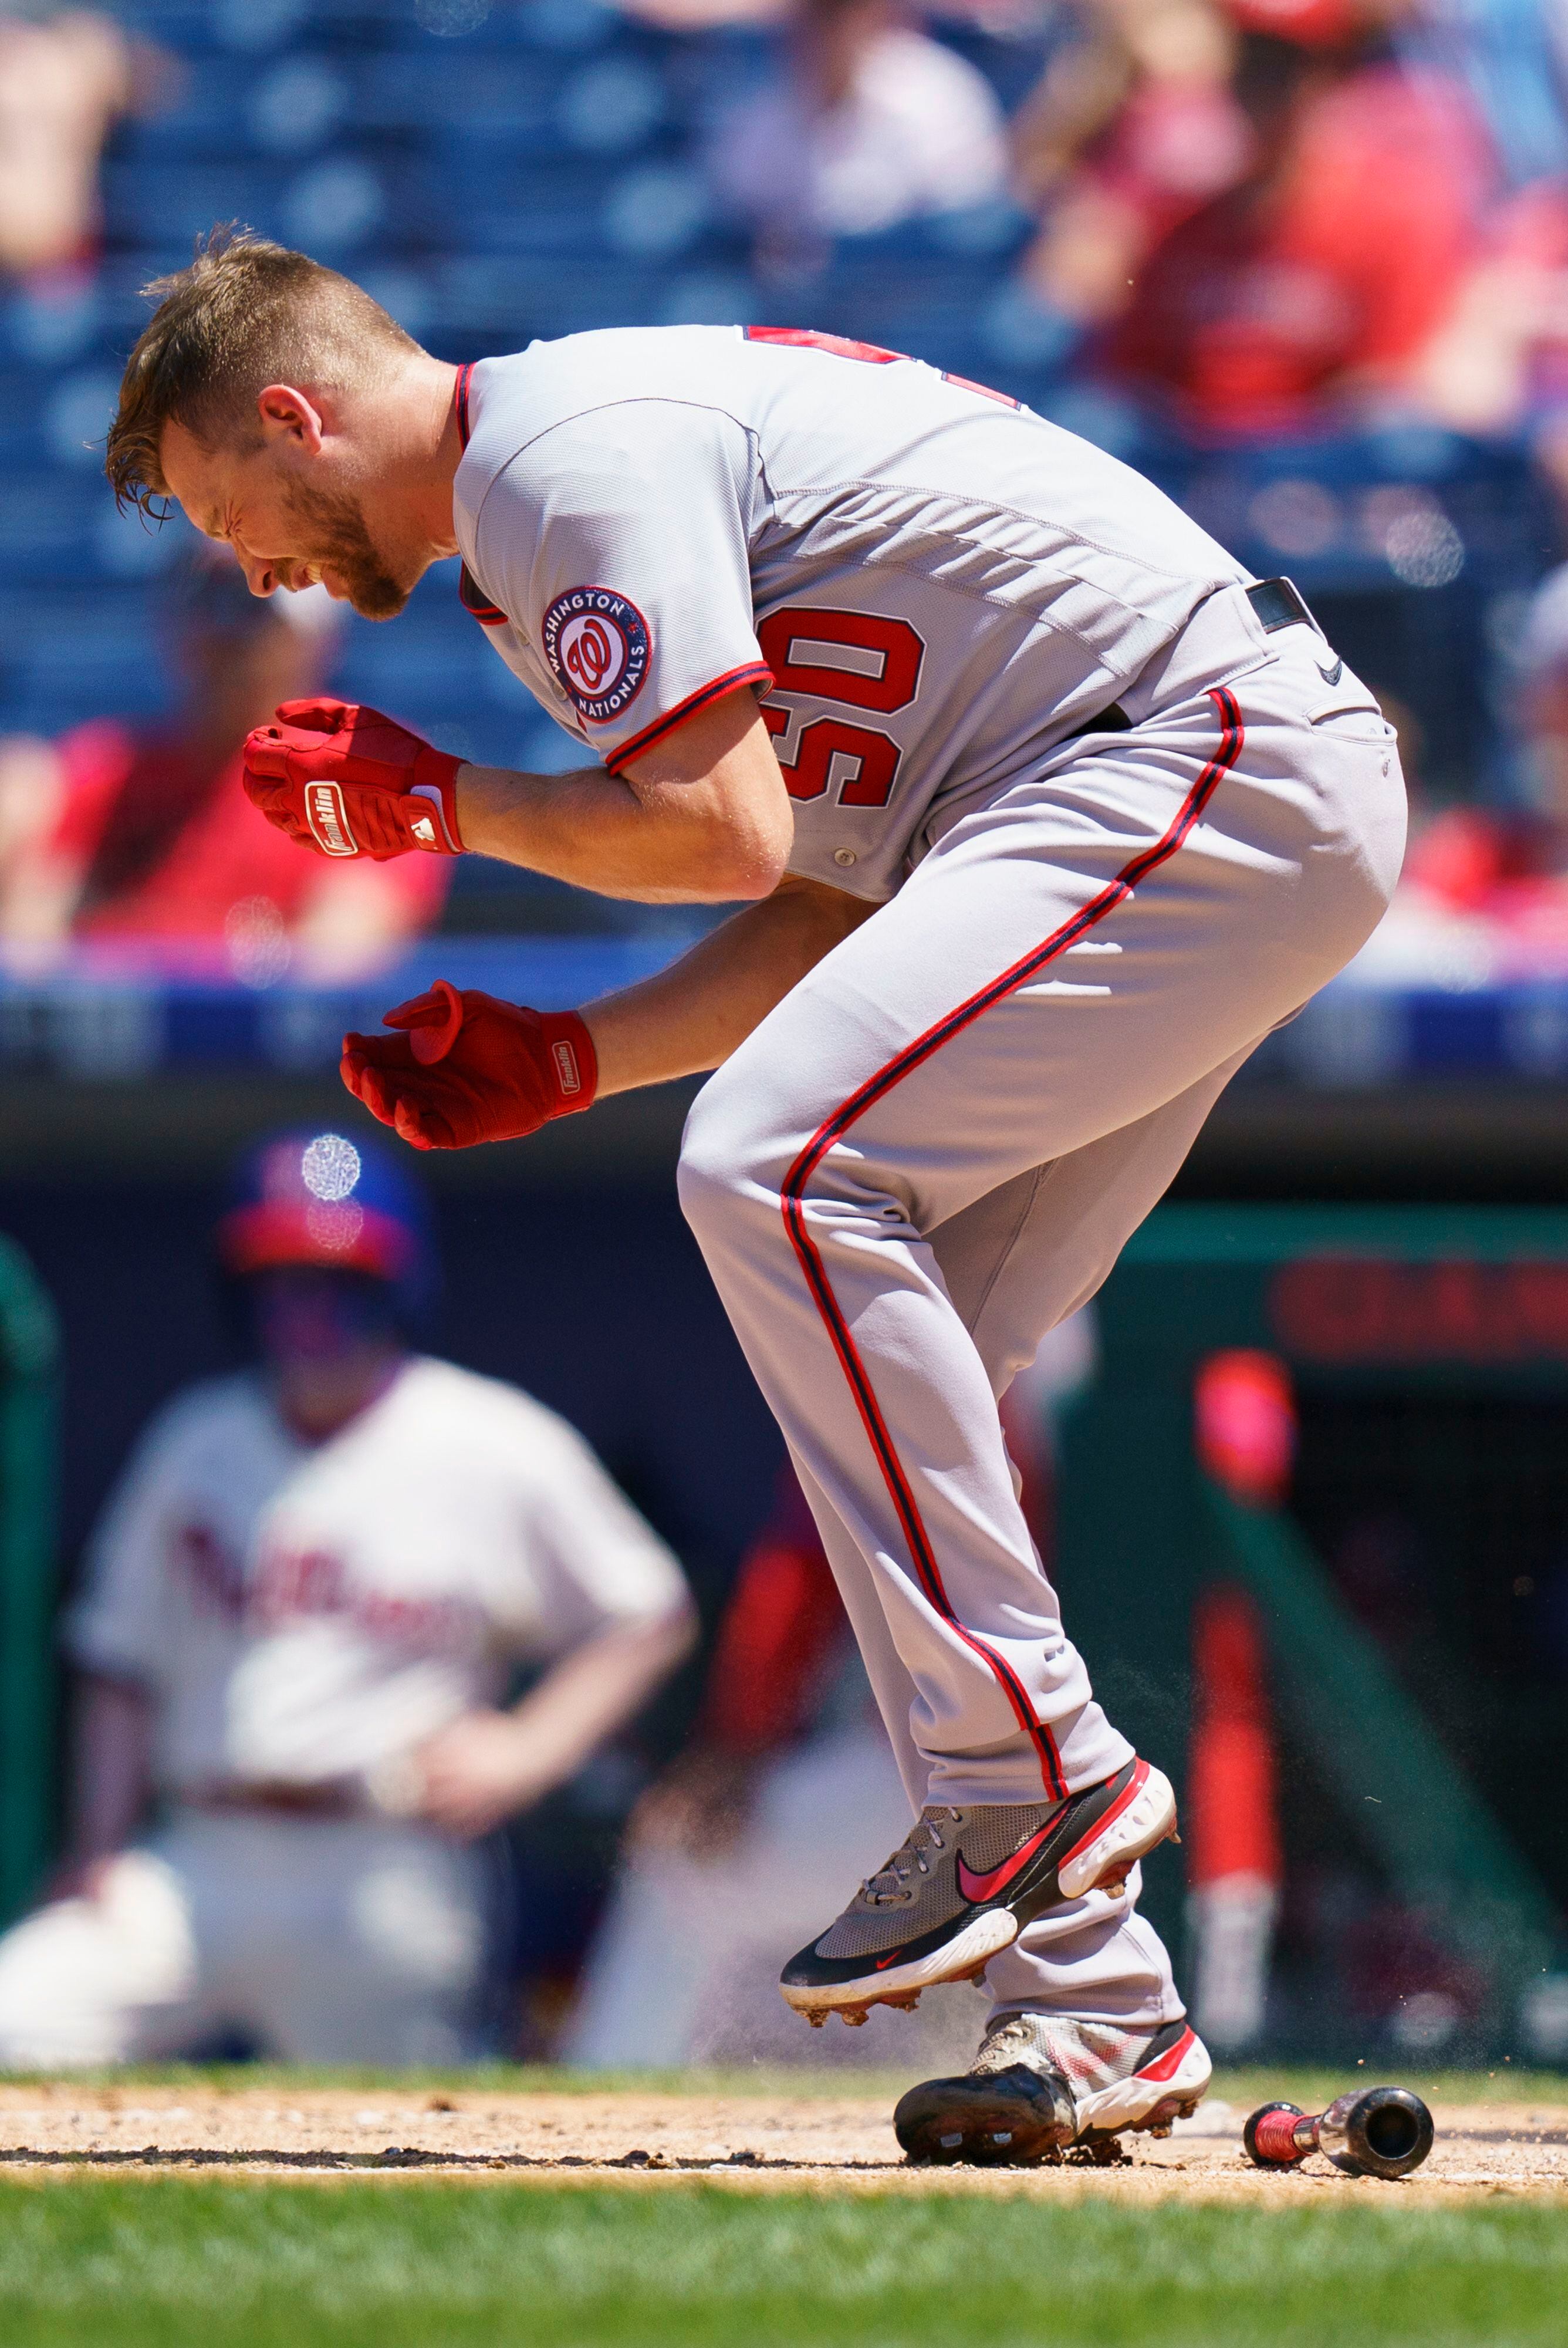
x=287, y=530
x=307, y=1320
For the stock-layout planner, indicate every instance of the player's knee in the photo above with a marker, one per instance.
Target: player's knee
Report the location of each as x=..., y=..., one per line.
x=726, y=1164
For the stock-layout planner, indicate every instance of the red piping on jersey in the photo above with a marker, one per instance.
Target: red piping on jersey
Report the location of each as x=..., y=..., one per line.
x=967, y=383
x=755, y=673
x=914, y=1055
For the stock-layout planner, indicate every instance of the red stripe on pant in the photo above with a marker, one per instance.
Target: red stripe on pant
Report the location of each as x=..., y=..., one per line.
x=900, y=1491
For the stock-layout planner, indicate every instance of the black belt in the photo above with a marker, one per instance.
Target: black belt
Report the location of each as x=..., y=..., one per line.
x=1278, y=603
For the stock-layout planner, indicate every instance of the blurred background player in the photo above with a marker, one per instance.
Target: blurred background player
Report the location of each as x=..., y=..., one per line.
x=301, y=1610
x=118, y=832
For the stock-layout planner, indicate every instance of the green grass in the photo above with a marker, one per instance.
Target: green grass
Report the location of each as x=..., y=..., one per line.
x=184, y=2264
x=1508, y=2083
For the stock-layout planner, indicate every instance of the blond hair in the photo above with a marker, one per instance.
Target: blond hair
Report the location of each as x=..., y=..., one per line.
x=245, y=314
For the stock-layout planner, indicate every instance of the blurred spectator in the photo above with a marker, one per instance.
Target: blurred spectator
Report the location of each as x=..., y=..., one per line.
x=870, y=123
x=1319, y=282
x=1132, y=127
x=66, y=77
x=1498, y=874
x=117, y=831
x=1501, y=362
x=698, y=15
x=302, y=1609
x=1500, y=366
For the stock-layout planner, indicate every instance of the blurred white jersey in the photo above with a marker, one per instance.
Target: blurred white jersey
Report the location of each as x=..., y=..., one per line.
x=302, y=1614
x=931, y=585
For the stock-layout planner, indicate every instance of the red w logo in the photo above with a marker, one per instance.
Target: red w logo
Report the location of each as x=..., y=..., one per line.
x=589, y=654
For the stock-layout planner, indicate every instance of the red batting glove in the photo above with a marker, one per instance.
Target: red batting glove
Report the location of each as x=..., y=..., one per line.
x=347, y=782
x=466, y=1068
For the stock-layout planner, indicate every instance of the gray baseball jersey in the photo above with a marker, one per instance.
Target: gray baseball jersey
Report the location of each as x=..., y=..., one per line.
x=929, y=585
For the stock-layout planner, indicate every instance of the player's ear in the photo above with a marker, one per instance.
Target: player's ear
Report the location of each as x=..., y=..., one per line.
x=286, y=414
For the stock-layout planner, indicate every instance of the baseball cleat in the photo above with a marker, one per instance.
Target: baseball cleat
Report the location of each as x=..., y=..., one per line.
x=1042, y=2082
x=964, y=1885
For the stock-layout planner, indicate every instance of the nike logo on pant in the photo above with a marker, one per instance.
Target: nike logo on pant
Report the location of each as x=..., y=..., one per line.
x=1330, y=675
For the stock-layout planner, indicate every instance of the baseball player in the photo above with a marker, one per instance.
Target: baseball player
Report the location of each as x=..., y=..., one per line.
x=1045, y=813
x=300, y=1611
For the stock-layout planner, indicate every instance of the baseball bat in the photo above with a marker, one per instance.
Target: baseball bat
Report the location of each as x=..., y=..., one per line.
x=1370, y=2132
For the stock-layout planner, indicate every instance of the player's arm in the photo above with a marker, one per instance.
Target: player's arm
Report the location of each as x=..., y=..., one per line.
x=615, y=544
x=615, y=1606
x=689, y=1018
x=488, y=1765
x=462, y=1069
x=111, y=1775
x=702, y=818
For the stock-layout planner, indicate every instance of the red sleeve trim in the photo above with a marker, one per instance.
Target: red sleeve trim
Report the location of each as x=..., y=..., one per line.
x=967, y=383
x=755, y=673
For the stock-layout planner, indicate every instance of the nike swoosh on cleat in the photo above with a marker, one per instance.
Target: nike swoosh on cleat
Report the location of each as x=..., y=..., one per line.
x=1330, y=675
x=1167, y=2066
x=986, y=1886
x=881, y=1964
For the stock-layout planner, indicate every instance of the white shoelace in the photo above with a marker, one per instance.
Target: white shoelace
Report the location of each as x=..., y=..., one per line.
x=885, y=1888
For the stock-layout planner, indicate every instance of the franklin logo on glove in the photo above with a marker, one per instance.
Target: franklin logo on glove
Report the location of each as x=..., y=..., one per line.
x=348, y=781
x=328, y=823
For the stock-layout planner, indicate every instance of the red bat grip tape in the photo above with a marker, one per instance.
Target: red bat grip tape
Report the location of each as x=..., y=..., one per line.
x=1274, y=2140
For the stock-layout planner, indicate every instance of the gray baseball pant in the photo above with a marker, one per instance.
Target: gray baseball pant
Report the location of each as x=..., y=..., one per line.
x=935, y=1145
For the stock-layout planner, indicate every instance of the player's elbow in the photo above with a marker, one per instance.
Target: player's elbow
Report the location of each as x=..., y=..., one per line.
x=745, y=861
x=747, y=879
x=672, y=1632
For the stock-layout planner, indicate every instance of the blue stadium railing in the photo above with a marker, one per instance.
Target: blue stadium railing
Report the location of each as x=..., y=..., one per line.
x=96, y=1018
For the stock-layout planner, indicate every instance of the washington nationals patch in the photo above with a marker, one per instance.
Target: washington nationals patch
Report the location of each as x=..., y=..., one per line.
x=597, y=645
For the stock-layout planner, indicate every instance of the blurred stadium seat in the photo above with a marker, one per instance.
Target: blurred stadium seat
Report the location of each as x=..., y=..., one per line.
x=497, y=172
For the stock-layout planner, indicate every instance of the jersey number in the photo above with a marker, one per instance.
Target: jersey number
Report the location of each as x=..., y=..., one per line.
x=839, y=346
x=859, y=659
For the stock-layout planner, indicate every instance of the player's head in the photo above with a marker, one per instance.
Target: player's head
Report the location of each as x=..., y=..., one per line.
x=237, y=657
x=255, y=397
x=331, y=1242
